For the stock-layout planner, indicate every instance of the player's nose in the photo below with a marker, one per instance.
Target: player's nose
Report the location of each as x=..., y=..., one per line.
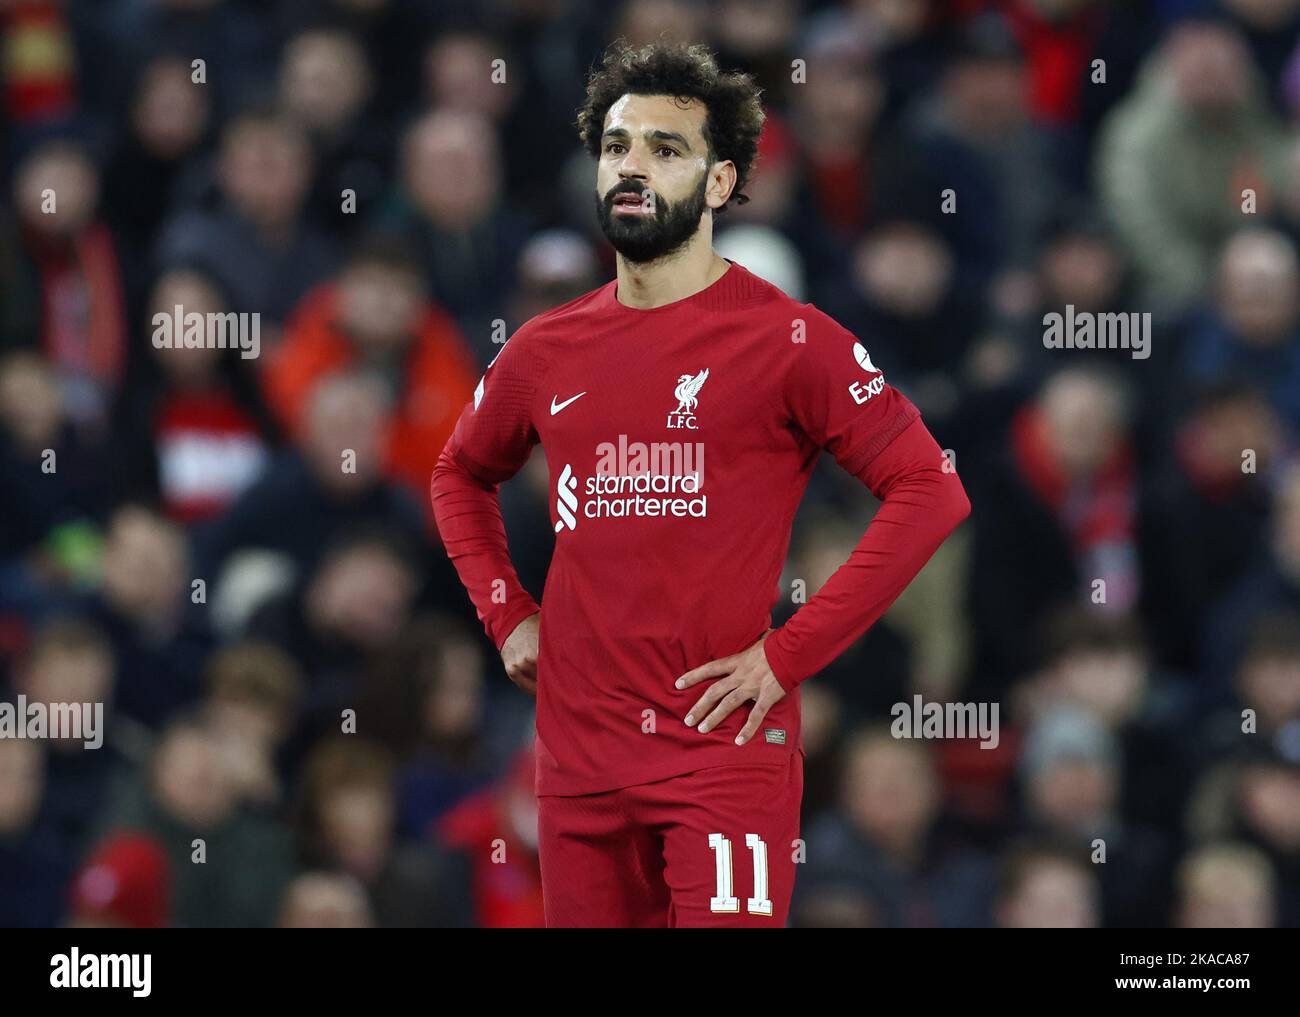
x=633, y=166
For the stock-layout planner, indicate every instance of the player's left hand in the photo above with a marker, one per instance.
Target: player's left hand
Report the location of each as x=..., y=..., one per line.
x=742, y=677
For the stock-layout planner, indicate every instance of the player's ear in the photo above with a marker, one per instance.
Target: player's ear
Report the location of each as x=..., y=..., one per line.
x=722, y=182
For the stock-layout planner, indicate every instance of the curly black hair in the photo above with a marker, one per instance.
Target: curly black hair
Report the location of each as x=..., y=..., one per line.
x=733, y=114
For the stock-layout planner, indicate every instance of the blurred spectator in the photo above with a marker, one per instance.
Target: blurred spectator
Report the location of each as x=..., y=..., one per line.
x=756, y=34
x=391, y=32
x=1100, y=663
x=55, y=475
x=333, y=484
x=193, y=431
x=255, y=239
x=1253, y=331
x=449, y=205
x=34, y=863
x=644, y=21
x=906, y=38
x=472, y=71
x=231, y=40
x=1176, y=156
x=61, y=282
x=376, y=319
x=884, y=851
x=1206, y=495
x=229, y=865
x=1046, y=887
x=1272, y=583
x=152, y=167
x=426, y=700
x=1082, y=265
x=834, y=116
x=456, y=66
x=347, y=824
x=347, y=613
x=254, y=690
x=144, y=605
x=1267, y=687
x=904, y=295
x=326, y=85
x=1073, y=771
x=976, y=139
x=70, y=661
x=1061, y=517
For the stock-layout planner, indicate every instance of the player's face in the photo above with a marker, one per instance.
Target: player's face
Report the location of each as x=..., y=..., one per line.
x=654, y=179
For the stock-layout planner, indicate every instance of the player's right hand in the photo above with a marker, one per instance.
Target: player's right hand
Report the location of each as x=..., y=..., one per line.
x=519, y=653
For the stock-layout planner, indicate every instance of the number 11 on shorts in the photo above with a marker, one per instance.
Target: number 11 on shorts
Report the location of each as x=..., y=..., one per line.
x=726, y=902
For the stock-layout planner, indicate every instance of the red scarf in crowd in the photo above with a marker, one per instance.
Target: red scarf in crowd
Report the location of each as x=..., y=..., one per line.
x=1097, y=514
x=83, y=326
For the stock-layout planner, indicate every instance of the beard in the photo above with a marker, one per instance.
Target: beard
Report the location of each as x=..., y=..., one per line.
x=644, y=238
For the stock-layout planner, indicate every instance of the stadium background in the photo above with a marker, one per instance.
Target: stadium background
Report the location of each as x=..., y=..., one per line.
x=352, y=171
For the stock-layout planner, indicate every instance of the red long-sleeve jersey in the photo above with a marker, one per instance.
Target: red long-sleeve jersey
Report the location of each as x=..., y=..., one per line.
x=679, y=441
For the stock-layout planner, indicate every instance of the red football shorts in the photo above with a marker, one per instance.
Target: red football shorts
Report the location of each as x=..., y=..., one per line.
x=715, y=847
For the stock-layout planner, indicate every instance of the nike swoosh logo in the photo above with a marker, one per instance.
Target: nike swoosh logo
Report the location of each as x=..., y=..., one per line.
x=556, y=407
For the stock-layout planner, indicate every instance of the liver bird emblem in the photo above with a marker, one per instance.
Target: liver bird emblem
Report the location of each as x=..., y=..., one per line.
x=688, y=390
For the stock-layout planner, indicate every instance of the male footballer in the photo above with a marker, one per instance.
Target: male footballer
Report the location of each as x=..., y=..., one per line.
x=682, y=408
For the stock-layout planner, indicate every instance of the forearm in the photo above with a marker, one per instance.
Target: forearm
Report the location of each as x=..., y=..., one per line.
x=468, y=513
x=922, y=502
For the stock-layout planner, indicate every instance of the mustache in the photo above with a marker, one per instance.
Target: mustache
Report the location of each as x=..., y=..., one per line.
x=628, y=188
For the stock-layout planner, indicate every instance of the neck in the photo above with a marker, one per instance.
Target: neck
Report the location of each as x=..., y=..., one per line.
x=683, y=274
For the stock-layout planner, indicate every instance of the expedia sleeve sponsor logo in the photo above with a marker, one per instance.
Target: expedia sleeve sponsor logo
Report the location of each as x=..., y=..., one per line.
x=862, y=392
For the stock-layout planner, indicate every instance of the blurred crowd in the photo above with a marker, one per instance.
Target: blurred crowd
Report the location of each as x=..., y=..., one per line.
x=306, y=726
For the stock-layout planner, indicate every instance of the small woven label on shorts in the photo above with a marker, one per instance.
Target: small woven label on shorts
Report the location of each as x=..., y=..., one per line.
x=774, y=735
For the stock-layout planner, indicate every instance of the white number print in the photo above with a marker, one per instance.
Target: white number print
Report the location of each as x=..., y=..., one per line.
x=759, y=904
x=726, y=902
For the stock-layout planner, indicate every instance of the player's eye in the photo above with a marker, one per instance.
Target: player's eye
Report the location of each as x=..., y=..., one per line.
x=665, y=148
x=611, y=146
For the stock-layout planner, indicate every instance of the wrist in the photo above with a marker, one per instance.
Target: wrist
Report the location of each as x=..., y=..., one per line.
x=511, y=620
x=779, y=664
